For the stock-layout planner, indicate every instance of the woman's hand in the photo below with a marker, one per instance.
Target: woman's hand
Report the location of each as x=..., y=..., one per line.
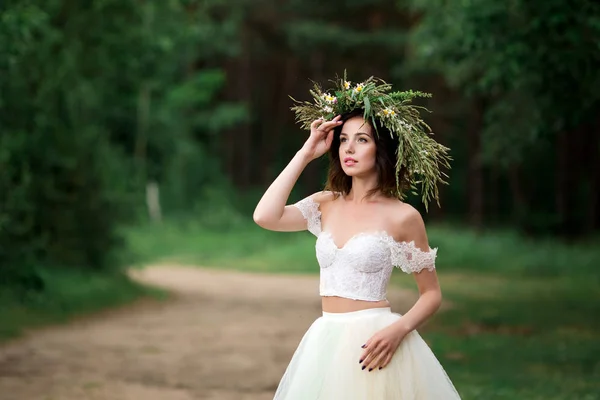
x=321, y=136
x=380, y=348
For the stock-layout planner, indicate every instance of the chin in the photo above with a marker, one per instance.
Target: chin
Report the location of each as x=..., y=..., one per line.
x=351, y=171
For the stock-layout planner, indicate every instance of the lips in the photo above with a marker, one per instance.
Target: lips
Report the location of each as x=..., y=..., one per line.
x=349, y=161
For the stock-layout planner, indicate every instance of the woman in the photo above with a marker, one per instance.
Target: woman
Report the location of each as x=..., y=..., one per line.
x=378, y=148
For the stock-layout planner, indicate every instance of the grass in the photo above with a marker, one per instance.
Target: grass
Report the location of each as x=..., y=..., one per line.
x=519, y=338
x=523, y=322
x=245, y=247
x=66, y=294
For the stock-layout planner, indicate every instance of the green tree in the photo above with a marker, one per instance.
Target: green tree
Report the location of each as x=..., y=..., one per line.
x=528, y=69
x=97, y=99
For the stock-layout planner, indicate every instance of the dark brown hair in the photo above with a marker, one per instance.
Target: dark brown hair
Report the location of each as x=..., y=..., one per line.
x=385, y=162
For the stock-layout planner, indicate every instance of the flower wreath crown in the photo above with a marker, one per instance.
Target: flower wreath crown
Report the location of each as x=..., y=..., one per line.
x=417, y=152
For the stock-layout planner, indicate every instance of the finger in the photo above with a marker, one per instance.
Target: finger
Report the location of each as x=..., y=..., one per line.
x=371, y=353
x=316, y=123
x=376, y=359
x=367, y=346
x=370, y=344
x=386, y=361
x=364, y=358
x=326, y=126
x=379, y=360
x=367, y=343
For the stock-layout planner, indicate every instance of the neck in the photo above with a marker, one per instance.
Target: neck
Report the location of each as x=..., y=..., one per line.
x=361, y=187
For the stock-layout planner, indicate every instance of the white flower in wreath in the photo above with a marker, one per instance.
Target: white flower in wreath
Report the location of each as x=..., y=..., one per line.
x=329, y=98
x=388, y=112
x=406, y=125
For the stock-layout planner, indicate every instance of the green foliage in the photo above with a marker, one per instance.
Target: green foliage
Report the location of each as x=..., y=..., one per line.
x=532, y=59
x=342, y=29
x=57, y=206
x=527, y=92
x=314, y=33
x=96, y=99
x=506, y=251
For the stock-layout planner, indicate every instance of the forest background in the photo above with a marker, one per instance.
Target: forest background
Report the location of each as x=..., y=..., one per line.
x=133, y=131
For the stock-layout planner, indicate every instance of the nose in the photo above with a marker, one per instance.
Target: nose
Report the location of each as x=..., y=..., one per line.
x=349, y=147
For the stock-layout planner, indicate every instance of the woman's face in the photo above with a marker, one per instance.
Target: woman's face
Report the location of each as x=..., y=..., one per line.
x=357, y=147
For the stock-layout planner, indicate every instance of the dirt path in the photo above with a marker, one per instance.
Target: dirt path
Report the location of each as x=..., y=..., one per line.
x=223, y=335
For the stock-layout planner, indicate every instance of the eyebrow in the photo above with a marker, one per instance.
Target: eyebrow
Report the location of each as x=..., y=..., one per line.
x=358, y=133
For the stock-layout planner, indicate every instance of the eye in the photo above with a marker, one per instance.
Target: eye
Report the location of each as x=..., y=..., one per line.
x=342, y=140
x=363, y=140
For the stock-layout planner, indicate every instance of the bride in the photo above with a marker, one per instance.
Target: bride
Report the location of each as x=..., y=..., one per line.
x=378, y=148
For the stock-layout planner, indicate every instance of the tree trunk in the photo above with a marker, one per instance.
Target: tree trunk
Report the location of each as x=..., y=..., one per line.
x=153, y=202
x=226, y=141
x=475, y=166
x=492, y=195
x=143, y=108
x=562, y=143
x=272, y=133
x=519, y=197
x=243, y=136
x=567, y=182
x=143, y=121
x=593, y=219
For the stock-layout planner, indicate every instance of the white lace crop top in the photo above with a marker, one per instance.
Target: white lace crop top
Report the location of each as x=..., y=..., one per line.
x=361, y=269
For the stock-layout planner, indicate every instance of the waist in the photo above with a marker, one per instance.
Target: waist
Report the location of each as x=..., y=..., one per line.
x=335, y=304
x=357, y=314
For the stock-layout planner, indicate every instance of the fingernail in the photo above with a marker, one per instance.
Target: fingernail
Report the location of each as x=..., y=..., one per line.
x=360, y=361
x=370, y=369
x=363, y=346
x=380, y=367
x=364, y=366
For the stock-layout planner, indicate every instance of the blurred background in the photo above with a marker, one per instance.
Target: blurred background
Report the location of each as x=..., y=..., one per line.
x=133, y=132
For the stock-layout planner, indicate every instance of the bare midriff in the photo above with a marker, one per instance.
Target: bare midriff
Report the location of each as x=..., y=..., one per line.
x=334, y=304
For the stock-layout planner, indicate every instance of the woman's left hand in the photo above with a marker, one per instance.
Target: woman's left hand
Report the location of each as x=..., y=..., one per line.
x=380, y=348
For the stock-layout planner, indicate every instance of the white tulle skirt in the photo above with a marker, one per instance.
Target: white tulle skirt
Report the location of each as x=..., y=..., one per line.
x=325, y=366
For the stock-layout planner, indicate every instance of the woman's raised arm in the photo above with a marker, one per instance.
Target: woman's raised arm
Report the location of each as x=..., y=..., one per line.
x=271, y=212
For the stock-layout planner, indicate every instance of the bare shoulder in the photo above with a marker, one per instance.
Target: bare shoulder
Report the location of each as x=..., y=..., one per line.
x=409, y=224
x=323, y=197
x=408, y=216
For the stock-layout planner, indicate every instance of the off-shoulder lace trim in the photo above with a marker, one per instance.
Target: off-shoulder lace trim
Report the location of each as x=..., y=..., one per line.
x=408, y=257
x=311, y=213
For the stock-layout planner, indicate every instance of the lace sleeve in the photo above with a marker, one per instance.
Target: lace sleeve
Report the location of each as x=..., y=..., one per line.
x=409, y=258
x=310, y=211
